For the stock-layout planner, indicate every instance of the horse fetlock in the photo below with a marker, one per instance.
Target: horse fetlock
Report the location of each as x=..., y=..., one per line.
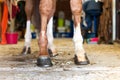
x=81, y=60
x=81, y=57
x=52, y=52
x=43, y=51
x=26, y=50
x=43, y=42
x=80, y=52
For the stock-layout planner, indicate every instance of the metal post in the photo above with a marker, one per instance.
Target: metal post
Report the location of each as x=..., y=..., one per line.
x=114, y=19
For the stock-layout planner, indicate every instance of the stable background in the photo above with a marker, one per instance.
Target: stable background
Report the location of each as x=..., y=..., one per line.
x=108, y=29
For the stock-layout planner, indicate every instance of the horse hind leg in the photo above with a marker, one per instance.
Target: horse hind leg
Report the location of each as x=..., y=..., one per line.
x=51, y=47
x=28, y=37
x=80, y=56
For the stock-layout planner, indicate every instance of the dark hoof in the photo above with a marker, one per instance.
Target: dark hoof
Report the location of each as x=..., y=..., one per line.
x=26, y=51
x=44, y=61
x=81, y=62
x=51, y=53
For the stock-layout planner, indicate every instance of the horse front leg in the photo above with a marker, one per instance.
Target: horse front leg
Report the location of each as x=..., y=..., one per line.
x=80, y=56
x=46, y=8
x=28, y=37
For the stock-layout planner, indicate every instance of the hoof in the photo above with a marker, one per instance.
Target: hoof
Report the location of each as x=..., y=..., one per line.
x=44, y=61
x=26, y=51
x=51, y=53
x=81, y=62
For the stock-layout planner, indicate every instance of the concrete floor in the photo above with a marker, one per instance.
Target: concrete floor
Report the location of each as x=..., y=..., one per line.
x=104, y=63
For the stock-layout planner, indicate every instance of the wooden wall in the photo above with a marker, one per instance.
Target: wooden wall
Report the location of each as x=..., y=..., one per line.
x=105, y=26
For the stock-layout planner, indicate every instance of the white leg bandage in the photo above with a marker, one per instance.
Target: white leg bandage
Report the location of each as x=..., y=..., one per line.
x=28, y=36
x=50, y=33
x=78, y=41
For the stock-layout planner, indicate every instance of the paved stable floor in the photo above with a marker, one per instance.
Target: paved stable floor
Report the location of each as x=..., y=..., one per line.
x=104, y=63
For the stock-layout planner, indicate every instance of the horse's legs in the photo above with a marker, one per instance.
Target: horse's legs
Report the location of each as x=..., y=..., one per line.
x=28, y=37
x=80, y=57
x=46, y=7
x=51, y=46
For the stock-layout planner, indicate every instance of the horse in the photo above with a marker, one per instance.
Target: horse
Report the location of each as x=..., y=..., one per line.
x=46, y=11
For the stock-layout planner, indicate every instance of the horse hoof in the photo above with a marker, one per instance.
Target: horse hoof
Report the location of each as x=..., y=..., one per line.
x=51, y=53
x=81, y=62
x=44, y=61
x=26, y=51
